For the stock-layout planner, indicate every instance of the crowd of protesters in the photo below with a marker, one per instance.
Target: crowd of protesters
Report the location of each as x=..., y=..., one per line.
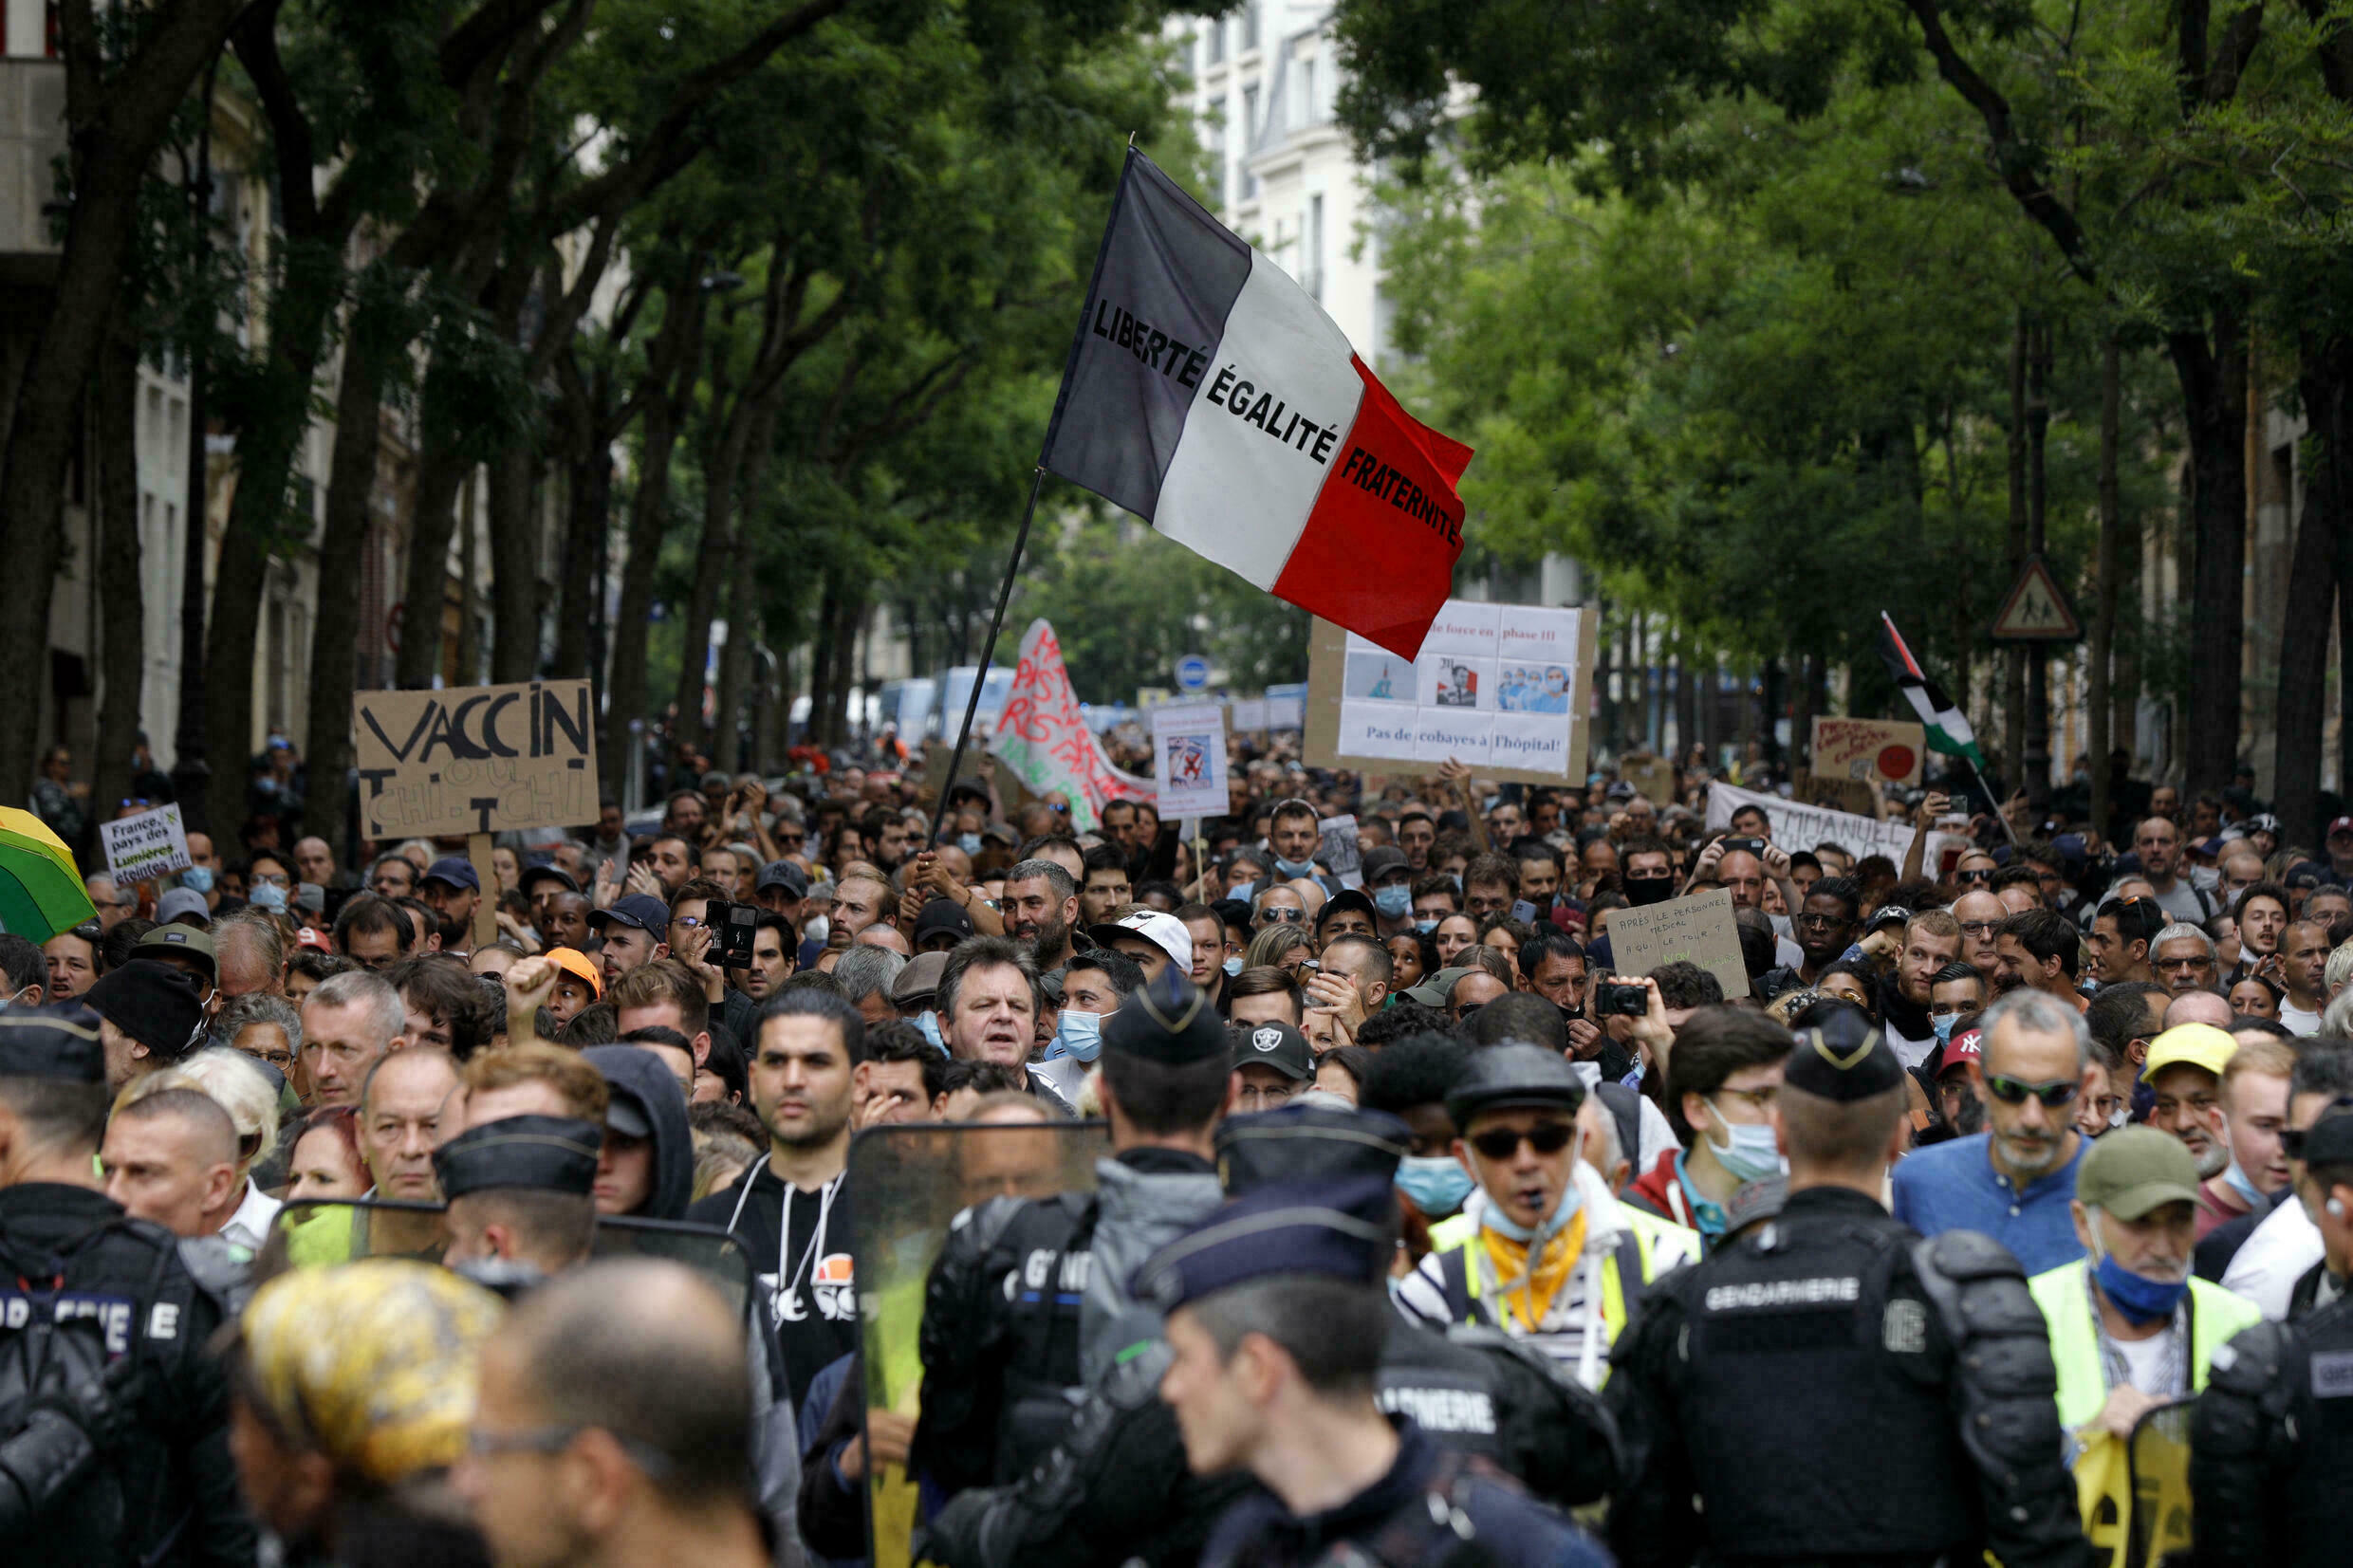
x=1407, y=1191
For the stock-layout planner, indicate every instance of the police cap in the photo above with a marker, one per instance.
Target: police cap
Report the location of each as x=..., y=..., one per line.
x=1301, y=1144
x=551, y=1153
x=1515, y=1074
x=1168, y=1020
x=1844, y=1058
x=59, y=1042
x=1334, y=1229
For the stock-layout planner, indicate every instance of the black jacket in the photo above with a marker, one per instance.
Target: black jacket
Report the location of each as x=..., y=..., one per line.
x=73, y=1249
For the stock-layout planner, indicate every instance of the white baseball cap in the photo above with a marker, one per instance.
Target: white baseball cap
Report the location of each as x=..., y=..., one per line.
x=1164, y=931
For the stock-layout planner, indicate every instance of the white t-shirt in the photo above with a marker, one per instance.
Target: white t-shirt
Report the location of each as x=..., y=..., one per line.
x=2297, y=1020
x=2148, y=1364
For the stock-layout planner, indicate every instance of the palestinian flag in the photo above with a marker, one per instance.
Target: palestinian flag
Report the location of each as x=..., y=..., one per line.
x=1209, y=394
x=1948, y=726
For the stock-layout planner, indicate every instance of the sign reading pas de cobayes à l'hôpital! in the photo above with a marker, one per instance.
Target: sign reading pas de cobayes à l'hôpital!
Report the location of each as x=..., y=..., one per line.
x=475, y=759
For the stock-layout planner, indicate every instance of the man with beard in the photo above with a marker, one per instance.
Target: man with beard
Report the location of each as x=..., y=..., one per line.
x=453, y=889
x=790, y=1209
x=1041, y=902
x=1826, y=925
x=2183, y=957
x=2037, y=949
x=1931, y=939
x=2014, y=1182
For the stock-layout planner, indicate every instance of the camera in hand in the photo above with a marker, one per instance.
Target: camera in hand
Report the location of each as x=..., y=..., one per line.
x=1754, y=846
x=733, y=926
x=1615, y=999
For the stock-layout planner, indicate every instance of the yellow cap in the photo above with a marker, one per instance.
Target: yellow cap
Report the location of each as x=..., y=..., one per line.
x=374, y=1363
x=2199, y=1045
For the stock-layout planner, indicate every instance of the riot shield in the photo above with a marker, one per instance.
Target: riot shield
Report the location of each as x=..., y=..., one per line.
x=309, y=1231
x=2160, y=1485
x=911, y=1183
x=712, y=1251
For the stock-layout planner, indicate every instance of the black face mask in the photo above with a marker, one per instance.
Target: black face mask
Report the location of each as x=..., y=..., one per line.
x=1648, y=889
x=1573, y=1015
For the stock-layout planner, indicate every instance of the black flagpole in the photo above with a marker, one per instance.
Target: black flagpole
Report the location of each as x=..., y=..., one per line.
x=988, y=654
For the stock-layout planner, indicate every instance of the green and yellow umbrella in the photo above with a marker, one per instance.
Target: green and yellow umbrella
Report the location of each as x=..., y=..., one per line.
x=40, y=891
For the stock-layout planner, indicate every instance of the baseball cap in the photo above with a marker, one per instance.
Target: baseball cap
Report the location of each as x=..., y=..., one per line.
x=1274, y=1044
x=2199, y=1045
x=578, y=964
x=455, y=870
x=1888, y=914
x=2135, y=1169
x=1347, y=899
x=1164, y=931
x=1965, y=1046
x=1438, y=990
x=641, y=909
x=547, y=873
x=183, y=904
x=782, y=874
x=942, y=916
x=179, y=940
x=1382, y=860
x=2342, y=824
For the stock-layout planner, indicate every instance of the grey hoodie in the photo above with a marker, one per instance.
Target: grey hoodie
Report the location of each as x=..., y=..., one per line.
x=642, y=1076
x=1138, y=1212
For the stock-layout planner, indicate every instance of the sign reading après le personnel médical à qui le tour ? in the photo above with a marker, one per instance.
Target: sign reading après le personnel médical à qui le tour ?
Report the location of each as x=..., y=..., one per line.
x=475, y=759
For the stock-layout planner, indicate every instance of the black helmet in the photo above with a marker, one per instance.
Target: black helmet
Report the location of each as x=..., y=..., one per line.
x=1513, y=1074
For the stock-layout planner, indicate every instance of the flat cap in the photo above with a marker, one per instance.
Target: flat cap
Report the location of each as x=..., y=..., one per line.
x=1844, y=1059
x=1167, y=1021
x=59, y=1042
x=551, y=1153
x=1515, y=1074
x=1299, y=1144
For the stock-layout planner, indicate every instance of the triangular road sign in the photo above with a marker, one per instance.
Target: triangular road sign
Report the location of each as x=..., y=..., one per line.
x=2035, y=610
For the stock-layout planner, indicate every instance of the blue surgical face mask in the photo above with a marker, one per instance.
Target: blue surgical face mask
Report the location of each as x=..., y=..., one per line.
x=2141, y=1299
x=1076, y=1034
x=1504, y=1225
x=1436, y=1183
x=1293, y=868
x=1233, y=965
x=1395, y=902
x=1752, y=1154
x=1455, y=877
x=2245, y=1189
x=1425, y=927
x=969, y=843
x=1943, y=1025
x=266, y=896
x=928, y=1022
x=197, y=878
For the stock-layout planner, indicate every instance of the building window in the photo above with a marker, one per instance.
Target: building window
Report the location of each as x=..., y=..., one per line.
x=1249, y=27
x=1303, y=113
x=1216, y=42
x=1249, y=140
x=1314, y=278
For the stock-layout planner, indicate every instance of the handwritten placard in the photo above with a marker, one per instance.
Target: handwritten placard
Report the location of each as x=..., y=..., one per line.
x=145, y=845
x=475, y=759
x=1867, y=749
x=1698, y=930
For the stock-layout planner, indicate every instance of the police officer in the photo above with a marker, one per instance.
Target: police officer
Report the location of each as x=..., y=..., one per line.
x=1116, y=1487
x=1027, y=1304
x=1826, y=1384
x=163, y=1490
x=2271, y=1438
x=522, y=1198
x=1277, y=1312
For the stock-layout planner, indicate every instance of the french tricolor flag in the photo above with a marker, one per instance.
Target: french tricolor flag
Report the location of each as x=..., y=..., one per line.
x=1210, y=396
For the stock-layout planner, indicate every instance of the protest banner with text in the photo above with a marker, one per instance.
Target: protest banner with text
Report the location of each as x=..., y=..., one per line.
x=144, y=846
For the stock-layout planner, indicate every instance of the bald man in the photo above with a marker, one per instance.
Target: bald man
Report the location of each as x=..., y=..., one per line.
x=633, y=1369
x=2198, y=1007
x=171, y=1158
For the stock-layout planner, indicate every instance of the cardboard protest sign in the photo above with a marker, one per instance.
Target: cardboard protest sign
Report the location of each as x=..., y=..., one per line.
x=1852, y=796
x=475, y=759
x=144, y=846
x=1868, y=750
x=1188, y=760
x=1653, y=778
x=1798, y=826
x=1505, y=688
x=1697, y=930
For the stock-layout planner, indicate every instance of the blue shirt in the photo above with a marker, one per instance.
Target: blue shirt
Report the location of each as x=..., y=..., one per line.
x=1953, y=1186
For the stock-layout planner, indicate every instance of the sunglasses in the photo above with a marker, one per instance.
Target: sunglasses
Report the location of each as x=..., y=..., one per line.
x=1501, y=1143
x=2291, y=1138
x=1287, y=916
x=1979, y=875
x=2010, y=1091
